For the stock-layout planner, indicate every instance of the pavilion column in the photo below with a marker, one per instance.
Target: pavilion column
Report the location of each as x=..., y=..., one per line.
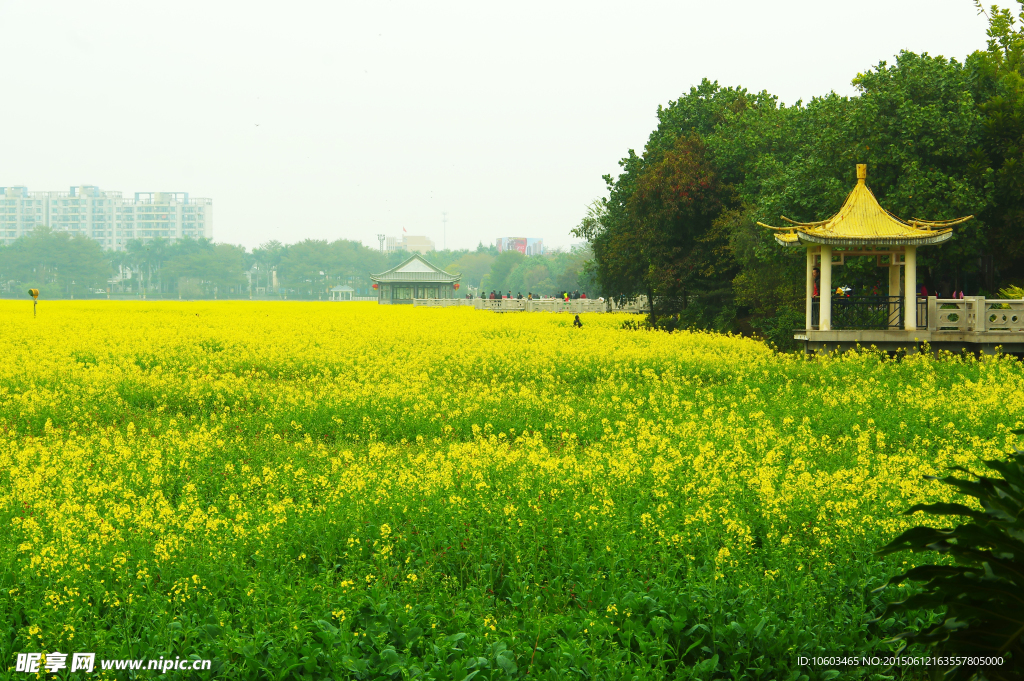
x=825, y=290
x=809, y=307
x=894, y=288
x=910, y=289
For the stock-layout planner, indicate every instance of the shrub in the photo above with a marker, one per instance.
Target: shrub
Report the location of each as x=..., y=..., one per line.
x=983, y=593
x=1013, y=292
x=778, y=328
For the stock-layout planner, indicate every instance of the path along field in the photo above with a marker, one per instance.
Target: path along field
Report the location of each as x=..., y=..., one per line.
x=341, y=490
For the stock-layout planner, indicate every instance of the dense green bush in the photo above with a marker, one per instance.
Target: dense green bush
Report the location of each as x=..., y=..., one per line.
x=981, y=588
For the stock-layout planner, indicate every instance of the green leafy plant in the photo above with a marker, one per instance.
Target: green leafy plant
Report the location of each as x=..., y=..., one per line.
x=983, y=593
x=778, y=329
x=1012, y=292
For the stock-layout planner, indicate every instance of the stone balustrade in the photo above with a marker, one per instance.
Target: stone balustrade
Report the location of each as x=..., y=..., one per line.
x=580, y=306
x=968, y=324
x=975, y=314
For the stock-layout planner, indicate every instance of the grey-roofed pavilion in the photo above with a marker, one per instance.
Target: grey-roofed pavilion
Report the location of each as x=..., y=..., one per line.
x=414, y=279
x=342, y=293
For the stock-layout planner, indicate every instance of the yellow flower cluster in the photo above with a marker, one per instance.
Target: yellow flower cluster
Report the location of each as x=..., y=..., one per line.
x=151, y=450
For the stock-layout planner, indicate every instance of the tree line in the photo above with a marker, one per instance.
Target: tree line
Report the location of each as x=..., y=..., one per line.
x=64, y=266
x=942, y=139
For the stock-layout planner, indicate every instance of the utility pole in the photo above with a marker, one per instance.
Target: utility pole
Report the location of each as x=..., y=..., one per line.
x=444, y=222
x=380, y=238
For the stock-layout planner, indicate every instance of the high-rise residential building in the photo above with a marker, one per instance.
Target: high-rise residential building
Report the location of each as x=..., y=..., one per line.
x=20, y=212
x=105, y=216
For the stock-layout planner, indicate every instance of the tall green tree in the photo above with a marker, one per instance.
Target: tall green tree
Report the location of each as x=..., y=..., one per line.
x=632, y=236
x=473, y=267
x=998, y=78
x=917, y=126
x=926, y=127
x=268, y=258
x=661, y=243
x=501, y=268
x=58, y=264
x=677, y=199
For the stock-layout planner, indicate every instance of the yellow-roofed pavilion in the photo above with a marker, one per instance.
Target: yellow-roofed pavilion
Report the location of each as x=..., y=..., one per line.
x=863, y=228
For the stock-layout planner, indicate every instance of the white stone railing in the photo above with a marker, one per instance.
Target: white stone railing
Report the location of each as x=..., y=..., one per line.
x=1003, y=315
x=580, y=306
x=501, y=304
x=975, y=314
x=442, y=302
x=541, y=305
x=583, y=305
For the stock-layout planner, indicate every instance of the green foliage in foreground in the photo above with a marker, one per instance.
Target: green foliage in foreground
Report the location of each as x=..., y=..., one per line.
x=983, y=594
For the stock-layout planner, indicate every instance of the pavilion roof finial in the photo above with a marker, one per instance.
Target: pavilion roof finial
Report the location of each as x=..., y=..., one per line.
x=862, y=172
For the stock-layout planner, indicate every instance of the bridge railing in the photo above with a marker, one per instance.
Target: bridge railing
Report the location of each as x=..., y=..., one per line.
x=578, y=306
x=442, y=302
x=976, y=314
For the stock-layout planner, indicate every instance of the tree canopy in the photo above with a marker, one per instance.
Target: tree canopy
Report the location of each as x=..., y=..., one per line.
x=63, y=266
x=941, y=139
x=45, y=259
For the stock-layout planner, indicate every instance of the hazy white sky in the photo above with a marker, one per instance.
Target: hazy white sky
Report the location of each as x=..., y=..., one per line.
x=344, y=120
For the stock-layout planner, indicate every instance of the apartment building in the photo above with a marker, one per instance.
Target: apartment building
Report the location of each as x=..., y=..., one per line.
x=105, y=216
x=20, y=212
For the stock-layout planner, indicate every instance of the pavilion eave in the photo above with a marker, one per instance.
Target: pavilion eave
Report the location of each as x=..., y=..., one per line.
x=805, y=238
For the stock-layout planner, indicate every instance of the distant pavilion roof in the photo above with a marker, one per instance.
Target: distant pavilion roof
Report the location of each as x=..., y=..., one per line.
x=863, y=222
x=416, y=269
x=343, y=289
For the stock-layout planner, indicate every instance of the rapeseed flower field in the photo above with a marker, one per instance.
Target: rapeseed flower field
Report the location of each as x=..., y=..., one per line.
x=348, y=491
